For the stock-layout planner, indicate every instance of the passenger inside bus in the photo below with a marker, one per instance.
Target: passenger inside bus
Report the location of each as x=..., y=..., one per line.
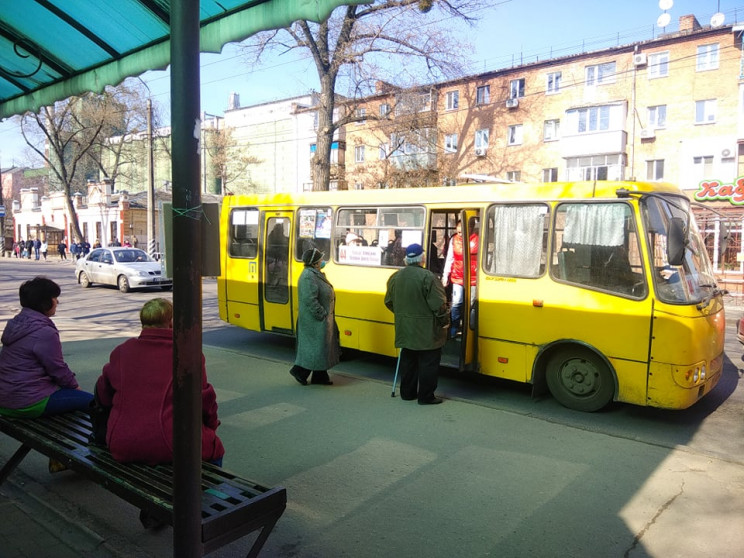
x=454, y=272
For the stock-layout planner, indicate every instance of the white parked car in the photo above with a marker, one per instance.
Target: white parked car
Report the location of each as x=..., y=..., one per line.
x=126, y=268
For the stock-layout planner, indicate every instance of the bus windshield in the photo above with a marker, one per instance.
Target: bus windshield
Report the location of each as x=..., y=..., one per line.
x=690, y=282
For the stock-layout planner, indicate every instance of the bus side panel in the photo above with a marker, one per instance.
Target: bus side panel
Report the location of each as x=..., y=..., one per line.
x=241, y=290
x=536, y=312
x=505, y=360
x=633, y=387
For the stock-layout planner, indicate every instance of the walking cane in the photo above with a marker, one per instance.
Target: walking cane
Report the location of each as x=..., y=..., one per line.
x=395, y=378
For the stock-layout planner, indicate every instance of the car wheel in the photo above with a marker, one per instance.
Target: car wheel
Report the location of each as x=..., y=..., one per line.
x=123, y=283
x=579, y=379
x=83, y=280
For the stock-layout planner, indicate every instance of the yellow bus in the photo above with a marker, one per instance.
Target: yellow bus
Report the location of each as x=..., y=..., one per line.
x=597, y=291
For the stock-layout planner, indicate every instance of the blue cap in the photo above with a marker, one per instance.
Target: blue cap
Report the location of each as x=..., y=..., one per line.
x=414, y=250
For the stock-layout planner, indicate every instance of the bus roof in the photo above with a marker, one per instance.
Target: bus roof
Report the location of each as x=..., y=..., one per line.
x=462, y=195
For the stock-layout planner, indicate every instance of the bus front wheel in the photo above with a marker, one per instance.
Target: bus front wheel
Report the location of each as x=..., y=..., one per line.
x=579, y=379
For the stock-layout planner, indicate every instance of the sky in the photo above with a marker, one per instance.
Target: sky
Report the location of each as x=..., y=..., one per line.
x=508, y=32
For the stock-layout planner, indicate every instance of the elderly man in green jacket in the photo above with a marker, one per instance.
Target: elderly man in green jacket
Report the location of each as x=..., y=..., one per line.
x=416, y=297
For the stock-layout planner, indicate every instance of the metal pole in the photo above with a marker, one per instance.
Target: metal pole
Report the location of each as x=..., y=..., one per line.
x=187, y=299
x=150, y=184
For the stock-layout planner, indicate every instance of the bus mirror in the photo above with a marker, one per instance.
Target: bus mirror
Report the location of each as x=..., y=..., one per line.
x=723, y=238
x=676, y=241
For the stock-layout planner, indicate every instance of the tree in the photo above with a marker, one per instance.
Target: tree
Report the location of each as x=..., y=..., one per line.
x=362, y=40
x=71, y=136
x=228, y=159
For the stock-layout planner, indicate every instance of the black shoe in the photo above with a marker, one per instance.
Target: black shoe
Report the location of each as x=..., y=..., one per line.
x=296, y=374
x=320, y=377
x=432, y=401
x=409, y=398
x=148, y=521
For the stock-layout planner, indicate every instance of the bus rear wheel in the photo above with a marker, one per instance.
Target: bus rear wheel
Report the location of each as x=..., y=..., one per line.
x=579, y=379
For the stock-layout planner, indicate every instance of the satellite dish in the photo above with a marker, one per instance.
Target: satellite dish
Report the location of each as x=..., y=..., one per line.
x=717, y=19
x=663, y=20
x=666, y=4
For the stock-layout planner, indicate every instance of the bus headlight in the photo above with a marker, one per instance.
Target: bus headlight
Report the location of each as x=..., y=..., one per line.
x=696, y=375
x=702, y=372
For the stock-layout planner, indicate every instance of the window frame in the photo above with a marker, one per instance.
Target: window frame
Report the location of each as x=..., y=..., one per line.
x=600, y=74
x=516, y=88
x=515, y=134
x=658, y=64
x=449, y=145
x=555, y=125
x=553, y=83
x=452, y=100
x=707, y=57
x=708, y=110
x=482, y=138
x=359, y=153
x=483, y=95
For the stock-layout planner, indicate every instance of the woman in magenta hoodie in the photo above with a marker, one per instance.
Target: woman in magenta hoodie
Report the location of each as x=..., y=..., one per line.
x=34, y=377
x=137, y=384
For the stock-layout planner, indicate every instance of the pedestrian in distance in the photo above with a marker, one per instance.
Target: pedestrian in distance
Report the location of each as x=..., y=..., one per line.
x=37, y=249
x=62, y=250
x=29, y=248
x=73, y=251
x=317, y=334
x=137, y=386
x=44, y=249
x=35, y=380
x=417, y=299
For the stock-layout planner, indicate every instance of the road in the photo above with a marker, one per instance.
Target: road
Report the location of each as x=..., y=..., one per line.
x=492, y=472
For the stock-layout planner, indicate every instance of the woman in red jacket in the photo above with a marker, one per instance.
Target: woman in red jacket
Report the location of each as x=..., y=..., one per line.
x=137, y=384
x=453, y=272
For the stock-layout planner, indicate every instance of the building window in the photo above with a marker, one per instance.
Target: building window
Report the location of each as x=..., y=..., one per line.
x=383, y=153
x=516, y=88
x=384, y=109
x=655, y=169
x=596, y=167
x=705, y=111
x=551, y=130
x=703, y=166
x=707, y=58
x=358, y=186
x=359, y=154
x=361, y=113
x=453, y=100
x=481, y=138
x=658, y=64
x=513, y=176
x=600, y=74
x=450, y=143
x=553, y=84
x=514, y=135
x=657, y=117
x=483, y=95
x=594, y=119
x=550, y=175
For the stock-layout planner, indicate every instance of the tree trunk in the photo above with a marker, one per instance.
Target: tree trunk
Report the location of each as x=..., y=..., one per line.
x=74, y=223
x=322, y=160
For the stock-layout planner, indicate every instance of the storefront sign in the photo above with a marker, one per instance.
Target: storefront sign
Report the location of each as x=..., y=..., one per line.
x=714, y=190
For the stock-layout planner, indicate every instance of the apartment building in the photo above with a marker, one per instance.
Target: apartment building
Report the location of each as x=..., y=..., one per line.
x=668, y=109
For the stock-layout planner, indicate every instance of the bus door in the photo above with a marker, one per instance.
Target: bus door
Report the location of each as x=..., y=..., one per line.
x=469, y=218
x=460, y=350
x=275, y=298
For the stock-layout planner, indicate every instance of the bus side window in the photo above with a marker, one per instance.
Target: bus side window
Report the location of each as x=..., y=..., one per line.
x=244, y=233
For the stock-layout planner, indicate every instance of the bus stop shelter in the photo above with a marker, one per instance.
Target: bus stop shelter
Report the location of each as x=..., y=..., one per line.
x=50, y=51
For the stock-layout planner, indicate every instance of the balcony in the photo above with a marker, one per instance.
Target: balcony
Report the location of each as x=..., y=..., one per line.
x=593, y=143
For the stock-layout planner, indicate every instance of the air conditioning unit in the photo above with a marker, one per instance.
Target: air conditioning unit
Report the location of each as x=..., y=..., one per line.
x=648, y=133
x=512, y=103
x=726, y=153
x=480, y=151
x=639, y=59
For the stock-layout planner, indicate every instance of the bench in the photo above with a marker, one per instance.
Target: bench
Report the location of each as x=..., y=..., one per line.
x=231, y=506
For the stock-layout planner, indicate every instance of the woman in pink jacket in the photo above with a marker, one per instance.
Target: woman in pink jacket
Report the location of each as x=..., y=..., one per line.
x=137, y=384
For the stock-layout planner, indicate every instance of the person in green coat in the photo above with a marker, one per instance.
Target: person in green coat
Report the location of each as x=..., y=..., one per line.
x=317, y=334
x=417, y=299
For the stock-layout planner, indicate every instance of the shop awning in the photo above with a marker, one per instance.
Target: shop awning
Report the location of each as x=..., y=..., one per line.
x=53, y=49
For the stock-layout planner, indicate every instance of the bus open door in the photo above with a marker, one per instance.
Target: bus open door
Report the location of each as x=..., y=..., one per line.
x=468, y=339
x=461, y=348
x=275, y=292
